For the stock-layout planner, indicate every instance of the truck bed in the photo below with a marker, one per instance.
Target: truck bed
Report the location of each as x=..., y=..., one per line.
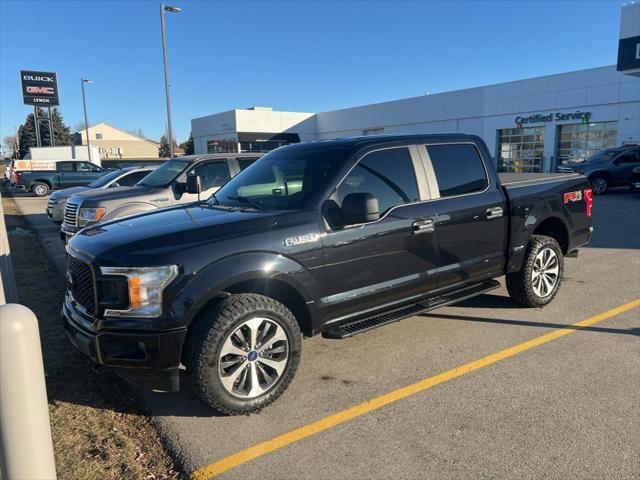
x=522, y=179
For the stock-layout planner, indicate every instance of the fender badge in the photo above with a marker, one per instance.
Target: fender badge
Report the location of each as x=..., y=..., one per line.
x=573, y=196
x=300, y=239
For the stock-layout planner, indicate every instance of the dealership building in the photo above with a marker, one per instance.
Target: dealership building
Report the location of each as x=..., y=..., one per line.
x=529, y=125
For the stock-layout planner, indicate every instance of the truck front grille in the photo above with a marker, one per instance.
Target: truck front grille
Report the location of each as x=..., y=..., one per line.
x=50, y=204
x=80, y=283
x=70, y=214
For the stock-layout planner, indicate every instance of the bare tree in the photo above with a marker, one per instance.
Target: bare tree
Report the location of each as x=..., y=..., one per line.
x=11, y=146
x=79, y=127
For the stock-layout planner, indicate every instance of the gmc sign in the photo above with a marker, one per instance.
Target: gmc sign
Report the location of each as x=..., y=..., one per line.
x=39, y=88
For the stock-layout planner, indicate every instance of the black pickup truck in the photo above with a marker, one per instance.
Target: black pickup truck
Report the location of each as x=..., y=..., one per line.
x=334, y=237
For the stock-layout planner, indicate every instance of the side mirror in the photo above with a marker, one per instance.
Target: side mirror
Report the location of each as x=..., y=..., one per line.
x=193, y=184
x=359, y=208
x=114, y=185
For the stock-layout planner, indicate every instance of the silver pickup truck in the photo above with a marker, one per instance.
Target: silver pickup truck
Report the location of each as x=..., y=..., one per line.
x=164, y=187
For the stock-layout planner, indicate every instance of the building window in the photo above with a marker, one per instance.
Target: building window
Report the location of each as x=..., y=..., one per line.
x=98, y=136
x=262, y=145
x=372, y=131
x=579, y=141
x=520, y=149
x=222, y=146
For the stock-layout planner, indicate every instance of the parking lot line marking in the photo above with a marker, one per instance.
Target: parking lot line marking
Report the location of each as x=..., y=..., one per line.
x=251, y=453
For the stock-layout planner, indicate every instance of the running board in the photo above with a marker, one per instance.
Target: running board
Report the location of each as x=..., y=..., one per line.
x=393, y=315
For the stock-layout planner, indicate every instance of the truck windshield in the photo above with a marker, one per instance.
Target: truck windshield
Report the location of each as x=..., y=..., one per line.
x=603, y=156
x=165, y=173
x=288, y=178
x=105, y=179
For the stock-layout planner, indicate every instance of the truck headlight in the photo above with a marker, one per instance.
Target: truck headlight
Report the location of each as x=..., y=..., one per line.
x=89, y=216
x=145, y=285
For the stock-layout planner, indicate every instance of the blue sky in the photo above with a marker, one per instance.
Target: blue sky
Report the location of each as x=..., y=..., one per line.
x=295, y=55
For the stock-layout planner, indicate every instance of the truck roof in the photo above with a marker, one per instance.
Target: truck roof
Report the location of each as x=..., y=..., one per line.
x=210, y=156
x=372, y=140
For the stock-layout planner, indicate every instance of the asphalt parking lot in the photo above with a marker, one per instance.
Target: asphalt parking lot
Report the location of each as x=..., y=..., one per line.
x=565, y=408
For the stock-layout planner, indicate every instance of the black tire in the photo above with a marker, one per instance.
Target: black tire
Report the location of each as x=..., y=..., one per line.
x=208, y=336
x=520, y=285
x=40, y=189
x=599, y=184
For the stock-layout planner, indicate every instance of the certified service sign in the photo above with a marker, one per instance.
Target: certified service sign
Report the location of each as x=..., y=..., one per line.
x=39, y=88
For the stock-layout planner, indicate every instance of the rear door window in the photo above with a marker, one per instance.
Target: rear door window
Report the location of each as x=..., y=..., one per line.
x=245, y=162
x=66, y=167
x=388, y=175
x=458, y=168
x=212, y=174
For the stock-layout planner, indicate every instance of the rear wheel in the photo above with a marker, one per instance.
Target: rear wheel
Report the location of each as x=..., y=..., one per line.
x=599, y=184
x=40, y=189
x=243, y=353
x=539, y=279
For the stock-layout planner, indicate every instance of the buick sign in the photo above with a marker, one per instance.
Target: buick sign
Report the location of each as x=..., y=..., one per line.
x=39, y=88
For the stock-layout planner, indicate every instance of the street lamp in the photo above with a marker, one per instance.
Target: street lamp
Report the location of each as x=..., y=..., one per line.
x=167, y=8
x=86, y=122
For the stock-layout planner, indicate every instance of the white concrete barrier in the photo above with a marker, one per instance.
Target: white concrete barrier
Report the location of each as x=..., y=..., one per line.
x=26, y=449
x=8, y=292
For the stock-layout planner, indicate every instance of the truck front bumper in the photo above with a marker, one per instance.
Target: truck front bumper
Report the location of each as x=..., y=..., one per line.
x=67, y=231
x=147, y=359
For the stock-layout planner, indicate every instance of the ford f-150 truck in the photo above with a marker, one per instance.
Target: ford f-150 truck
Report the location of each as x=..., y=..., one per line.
x=65, y=174
x=334, y=237
x=123, y=177
x=166, y=186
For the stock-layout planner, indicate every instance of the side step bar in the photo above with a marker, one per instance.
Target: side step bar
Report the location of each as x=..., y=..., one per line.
x=398, y=313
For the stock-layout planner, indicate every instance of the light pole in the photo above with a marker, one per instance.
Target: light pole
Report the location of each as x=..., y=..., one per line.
x=167, y=8
x=86, y=122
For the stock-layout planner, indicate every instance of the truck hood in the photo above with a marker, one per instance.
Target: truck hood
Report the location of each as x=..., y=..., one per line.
x=59, y=195
x=151, y=238
x=93, y=196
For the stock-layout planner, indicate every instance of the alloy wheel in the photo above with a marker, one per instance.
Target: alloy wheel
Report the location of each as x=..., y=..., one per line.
x=544, y=276
x=253, y=358
x=41, y=190
x=599, y=185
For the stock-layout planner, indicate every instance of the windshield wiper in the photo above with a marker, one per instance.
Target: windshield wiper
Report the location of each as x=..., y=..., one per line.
x=241, y=199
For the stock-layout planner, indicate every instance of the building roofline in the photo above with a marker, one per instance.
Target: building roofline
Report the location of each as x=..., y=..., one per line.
x=120, y=130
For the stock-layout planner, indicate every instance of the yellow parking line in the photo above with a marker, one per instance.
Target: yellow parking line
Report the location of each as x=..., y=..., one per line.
x=244, y=456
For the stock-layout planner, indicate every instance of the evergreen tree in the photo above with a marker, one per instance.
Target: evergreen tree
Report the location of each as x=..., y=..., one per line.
x=27, y=131
x=27, y=134
x=188, y=146
x=163, y=149
x=62, y=133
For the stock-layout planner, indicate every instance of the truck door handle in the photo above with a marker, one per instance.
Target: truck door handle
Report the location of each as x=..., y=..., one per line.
x=494, y=212
x=423, y=226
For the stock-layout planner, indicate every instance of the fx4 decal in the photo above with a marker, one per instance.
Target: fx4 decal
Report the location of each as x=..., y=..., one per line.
x=573, y=196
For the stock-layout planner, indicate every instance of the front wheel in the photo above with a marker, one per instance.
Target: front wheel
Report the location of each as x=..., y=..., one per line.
x=539, y=278
x=243, y=353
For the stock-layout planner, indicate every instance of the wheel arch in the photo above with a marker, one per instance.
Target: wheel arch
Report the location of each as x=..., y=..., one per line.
x=556, y=228
x=41, y=180
x=286, y=282
x=600, y=173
